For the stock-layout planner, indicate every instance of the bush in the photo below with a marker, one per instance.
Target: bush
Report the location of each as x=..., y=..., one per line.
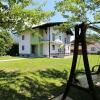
x=5, y=42
x=14, y=51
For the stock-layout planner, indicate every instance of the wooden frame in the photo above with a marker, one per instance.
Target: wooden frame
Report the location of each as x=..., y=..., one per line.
x=80, y=37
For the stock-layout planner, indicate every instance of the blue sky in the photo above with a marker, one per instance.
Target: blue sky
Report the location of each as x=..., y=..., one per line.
x=50, y=6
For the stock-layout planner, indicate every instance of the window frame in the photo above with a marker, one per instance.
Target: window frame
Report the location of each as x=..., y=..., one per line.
x=23, y=37
x=23, y=47
x=93, y=49
x=53, y=47
x=60, y=38
x=53, y=37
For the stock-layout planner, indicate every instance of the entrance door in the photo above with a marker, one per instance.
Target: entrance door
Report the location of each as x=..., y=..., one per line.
x=33, y=49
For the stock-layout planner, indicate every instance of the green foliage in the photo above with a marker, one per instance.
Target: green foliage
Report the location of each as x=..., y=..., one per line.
x=5, y=42
x=79, y=10
x=97, y=16
x=15, y=16
x=91, y=38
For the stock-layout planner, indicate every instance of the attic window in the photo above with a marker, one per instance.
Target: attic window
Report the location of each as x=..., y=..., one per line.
x=23, y=37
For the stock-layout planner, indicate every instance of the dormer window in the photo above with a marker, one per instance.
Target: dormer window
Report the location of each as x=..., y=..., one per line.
x=23, y=37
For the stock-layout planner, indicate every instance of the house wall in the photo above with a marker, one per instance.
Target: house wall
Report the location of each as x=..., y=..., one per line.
x=93, y=48
x=26, y=43
x=67, y=49
x=45, y=50
x=42, y=45
x=57, y=42
x=34, y=39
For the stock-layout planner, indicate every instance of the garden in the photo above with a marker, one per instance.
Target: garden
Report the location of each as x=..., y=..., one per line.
x=38, y=78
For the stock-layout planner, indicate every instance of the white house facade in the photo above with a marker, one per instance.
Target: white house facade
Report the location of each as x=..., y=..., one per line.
x=94, y=48
x=48, y=44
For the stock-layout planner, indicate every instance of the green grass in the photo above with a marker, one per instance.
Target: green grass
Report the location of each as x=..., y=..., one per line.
x=7, y=57
x=36, y=78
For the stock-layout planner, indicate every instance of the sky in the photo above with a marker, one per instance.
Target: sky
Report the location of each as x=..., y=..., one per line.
x=50, y=6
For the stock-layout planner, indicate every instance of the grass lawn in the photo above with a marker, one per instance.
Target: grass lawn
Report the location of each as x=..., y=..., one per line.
x=7, y=57
x=36, y=78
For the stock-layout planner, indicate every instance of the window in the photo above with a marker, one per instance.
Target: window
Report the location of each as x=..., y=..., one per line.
x=23, y=37
x=68, y=48
x=59, y=37
x=53, y=47
x=23, y=47
x=53, y=37
x=93, y=49
x=59, y=50
x=65, y=40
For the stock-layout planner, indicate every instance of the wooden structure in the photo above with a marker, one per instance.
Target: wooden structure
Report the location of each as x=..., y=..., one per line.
x=80, y=38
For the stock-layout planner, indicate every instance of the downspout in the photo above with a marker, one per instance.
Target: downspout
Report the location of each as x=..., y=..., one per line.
x=49, y=42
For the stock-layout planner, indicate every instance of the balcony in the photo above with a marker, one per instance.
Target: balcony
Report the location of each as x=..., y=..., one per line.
x=51, y=41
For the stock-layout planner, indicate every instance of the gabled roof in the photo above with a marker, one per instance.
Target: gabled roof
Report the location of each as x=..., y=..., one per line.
x=47, y=24
x=50, y=24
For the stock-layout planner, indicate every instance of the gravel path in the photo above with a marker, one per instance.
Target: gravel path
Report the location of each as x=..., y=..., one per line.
x=12, y=60
x=59, y=98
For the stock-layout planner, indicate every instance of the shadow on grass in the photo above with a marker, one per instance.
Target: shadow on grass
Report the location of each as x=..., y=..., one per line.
x=20, y=86
x=53, y=73
x=27, y=86
x=6, y=92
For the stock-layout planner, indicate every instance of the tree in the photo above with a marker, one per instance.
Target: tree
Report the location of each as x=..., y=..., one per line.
x=5, y=42
x=79, y=11
x=15, y=17
x=92, y=37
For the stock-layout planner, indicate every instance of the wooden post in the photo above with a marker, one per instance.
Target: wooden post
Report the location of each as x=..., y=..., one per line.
x=80, y=38
x=73, y=63
x=49, y=42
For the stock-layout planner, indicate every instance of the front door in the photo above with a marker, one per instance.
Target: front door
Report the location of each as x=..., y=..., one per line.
x=33, y=49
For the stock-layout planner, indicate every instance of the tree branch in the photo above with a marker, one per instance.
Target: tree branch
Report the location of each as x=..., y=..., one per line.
x=95, y=28
x=98, y=22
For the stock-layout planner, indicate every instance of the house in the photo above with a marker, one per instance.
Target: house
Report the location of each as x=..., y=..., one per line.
x=94, y=47
x=46, y=43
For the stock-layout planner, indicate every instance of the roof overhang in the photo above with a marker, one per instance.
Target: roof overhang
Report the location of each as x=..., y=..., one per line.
x=43, y=26
x=47, y=25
